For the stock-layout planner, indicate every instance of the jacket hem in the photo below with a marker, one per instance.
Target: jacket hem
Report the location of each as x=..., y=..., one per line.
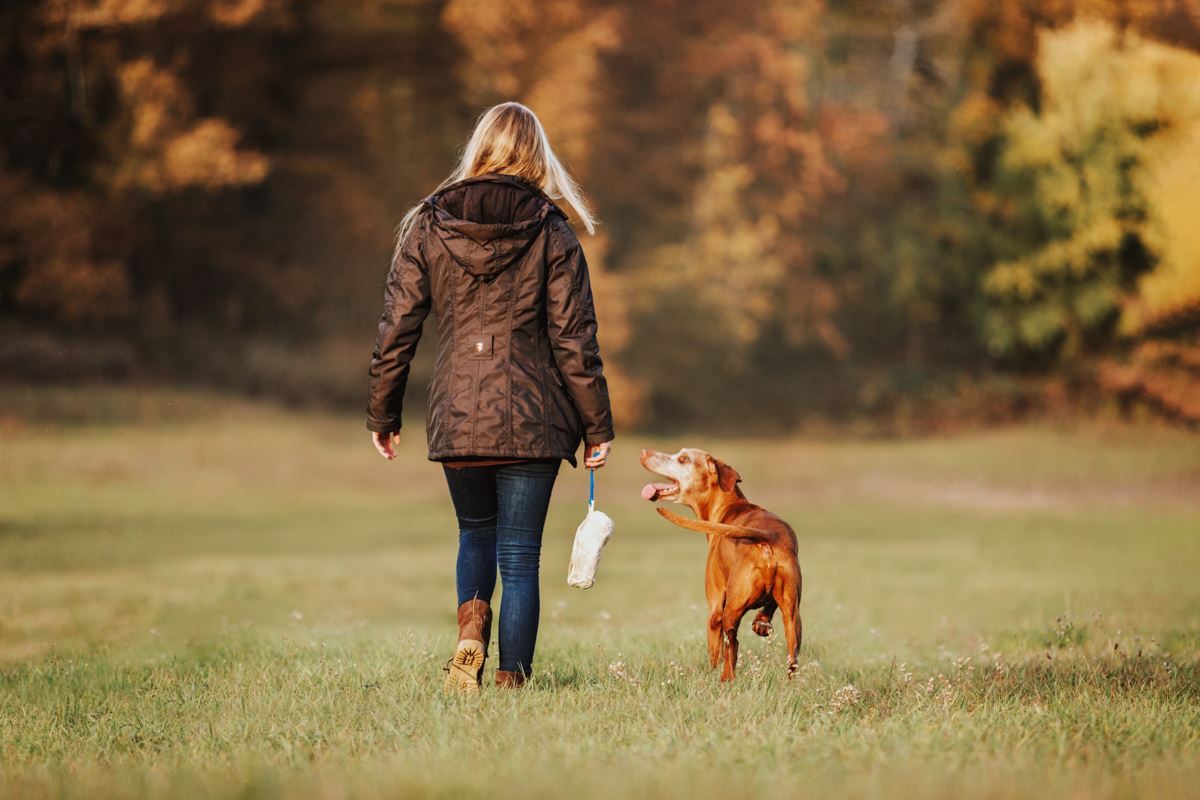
x=466, y=452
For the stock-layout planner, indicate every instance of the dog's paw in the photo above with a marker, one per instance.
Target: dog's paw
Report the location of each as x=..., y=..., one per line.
x=762, y=627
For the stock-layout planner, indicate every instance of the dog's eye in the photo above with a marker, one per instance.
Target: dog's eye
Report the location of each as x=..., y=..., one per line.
x=683, y=459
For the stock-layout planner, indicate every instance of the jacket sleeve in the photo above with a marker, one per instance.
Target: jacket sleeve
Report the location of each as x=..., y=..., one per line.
x=571, y=323
x=406, y=303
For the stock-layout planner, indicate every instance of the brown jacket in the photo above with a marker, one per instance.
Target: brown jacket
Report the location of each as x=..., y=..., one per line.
x=518, y=371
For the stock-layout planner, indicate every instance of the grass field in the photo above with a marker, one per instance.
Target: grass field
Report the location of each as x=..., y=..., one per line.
x=202, y=597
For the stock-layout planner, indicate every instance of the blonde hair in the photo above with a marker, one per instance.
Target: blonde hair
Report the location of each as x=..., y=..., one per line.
x=510, y=139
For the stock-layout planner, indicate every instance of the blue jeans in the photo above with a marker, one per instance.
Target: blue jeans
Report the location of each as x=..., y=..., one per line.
x=501, y=511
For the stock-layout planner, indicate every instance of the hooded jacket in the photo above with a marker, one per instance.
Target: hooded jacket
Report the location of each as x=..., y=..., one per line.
x=518, y=371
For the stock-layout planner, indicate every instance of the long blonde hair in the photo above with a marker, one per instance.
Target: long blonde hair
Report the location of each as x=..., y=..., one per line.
x=509, y=138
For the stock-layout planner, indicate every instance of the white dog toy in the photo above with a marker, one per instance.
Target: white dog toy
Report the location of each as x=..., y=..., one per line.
x=590, y=537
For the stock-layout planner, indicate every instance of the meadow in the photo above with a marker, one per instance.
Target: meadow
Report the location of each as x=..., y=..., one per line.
x=204, y=597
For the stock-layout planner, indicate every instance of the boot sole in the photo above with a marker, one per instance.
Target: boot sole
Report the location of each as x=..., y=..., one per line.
x=465, y=671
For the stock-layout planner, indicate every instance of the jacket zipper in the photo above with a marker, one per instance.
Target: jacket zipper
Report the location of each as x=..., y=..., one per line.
x=478, y=364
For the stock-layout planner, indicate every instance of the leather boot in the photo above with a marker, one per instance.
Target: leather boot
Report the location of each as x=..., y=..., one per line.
x=510, y=680
x=464, y=671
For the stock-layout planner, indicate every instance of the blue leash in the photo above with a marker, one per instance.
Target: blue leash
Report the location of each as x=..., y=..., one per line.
x=591, y=490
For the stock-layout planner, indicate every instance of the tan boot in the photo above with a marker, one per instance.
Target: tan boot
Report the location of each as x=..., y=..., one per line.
x=510, y=680
x=464, y=671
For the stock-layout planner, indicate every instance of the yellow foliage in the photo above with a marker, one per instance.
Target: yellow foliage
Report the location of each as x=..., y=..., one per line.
x=1013, y=279
x=975, y=119
x=1094, y=76
x=1114, y=109
x=1096, y=82
x=1176, y=282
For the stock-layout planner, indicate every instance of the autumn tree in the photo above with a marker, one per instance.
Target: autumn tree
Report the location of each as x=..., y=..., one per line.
x=1075, y=170
x=109, y=132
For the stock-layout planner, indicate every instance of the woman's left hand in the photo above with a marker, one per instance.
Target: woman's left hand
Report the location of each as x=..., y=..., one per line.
x=597, y=455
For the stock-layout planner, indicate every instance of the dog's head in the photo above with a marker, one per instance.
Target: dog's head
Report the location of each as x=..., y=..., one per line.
x=692, y=475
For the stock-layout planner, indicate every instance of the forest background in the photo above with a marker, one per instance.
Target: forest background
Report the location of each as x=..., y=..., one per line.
x=904, y=215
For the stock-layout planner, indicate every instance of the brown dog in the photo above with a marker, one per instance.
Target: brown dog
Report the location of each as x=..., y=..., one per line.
x=751, y=552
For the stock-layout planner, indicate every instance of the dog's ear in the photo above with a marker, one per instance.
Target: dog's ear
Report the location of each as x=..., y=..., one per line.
x=727, y=476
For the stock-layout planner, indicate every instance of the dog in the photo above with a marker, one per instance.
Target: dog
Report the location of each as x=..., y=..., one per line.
x=752, y=560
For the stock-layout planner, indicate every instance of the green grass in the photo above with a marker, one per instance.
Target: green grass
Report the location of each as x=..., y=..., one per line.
x=203, y=597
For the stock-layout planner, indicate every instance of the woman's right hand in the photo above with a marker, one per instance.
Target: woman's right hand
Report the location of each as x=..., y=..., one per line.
x=386, y=443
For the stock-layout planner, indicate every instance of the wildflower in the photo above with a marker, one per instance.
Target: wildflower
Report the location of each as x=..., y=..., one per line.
x=617, y=670
x=751, y=661
x=845, y=697
x=673, y=671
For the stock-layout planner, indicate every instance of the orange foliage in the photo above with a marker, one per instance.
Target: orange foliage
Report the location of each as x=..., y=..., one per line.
x=167, y=147
x=64, y=275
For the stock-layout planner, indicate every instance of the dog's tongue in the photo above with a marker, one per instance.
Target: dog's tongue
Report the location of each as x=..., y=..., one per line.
x=650, y=491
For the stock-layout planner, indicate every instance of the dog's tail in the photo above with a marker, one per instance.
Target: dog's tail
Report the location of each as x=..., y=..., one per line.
x=718, y=528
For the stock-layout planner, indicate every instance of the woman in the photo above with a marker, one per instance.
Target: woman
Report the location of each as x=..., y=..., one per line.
x=518, y=379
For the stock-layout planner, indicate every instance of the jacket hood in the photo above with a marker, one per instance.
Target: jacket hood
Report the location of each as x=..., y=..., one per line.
x=486, y=223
